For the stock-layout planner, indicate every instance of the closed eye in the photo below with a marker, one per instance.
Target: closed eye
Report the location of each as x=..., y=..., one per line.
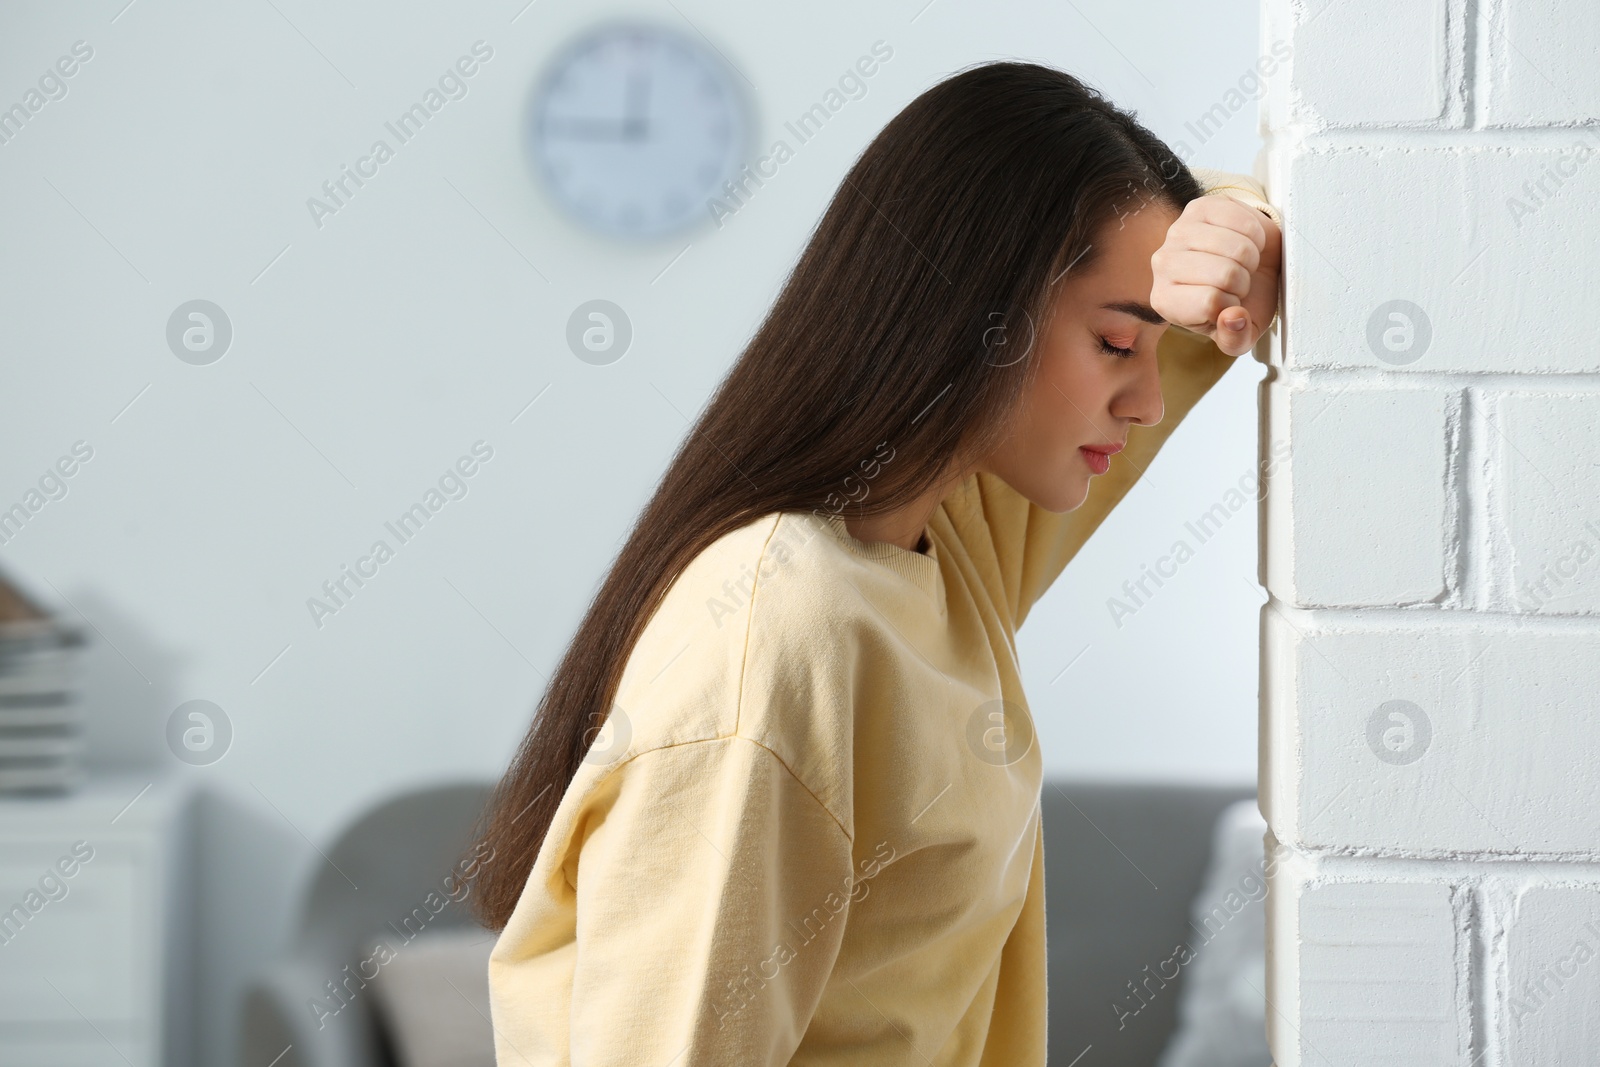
x=1112, y=350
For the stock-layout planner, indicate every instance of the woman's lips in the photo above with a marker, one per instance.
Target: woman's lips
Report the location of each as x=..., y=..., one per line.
x=1099, y=457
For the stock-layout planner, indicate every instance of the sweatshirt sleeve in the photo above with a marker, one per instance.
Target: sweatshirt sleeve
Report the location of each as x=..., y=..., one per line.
x=712, y=892
x=1032, y=545
x=1240, y=187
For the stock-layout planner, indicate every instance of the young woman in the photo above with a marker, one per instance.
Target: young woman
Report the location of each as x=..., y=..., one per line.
x=780, y=802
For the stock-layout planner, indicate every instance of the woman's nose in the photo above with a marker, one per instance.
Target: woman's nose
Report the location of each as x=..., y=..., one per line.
x=1142, y=400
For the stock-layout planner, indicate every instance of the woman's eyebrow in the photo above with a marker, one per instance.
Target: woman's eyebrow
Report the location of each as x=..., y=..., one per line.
x=1137, y=310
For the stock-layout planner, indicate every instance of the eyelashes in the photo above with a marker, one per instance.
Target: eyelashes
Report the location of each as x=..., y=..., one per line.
x=1112, y=350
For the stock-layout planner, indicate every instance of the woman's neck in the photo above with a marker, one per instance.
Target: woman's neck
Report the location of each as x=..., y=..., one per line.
x=906, y=526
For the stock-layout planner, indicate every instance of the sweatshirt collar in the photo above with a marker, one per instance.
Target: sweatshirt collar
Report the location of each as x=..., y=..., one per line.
x=921, y=569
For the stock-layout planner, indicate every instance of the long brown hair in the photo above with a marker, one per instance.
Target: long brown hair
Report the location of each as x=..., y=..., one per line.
x=932, y=265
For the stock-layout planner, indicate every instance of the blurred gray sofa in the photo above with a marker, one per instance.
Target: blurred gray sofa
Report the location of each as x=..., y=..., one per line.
x=1123, y=865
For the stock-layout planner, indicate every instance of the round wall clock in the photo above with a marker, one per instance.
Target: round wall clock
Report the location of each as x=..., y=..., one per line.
x=635, y=128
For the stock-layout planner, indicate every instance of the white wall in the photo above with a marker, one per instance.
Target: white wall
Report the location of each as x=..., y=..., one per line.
x=369, y=353
x=1431, y=663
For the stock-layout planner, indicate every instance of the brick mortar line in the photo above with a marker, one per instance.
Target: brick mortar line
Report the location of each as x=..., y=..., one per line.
x=1301, y=140
x=1551, y=383
x=1505, y=871
x=1432, y=620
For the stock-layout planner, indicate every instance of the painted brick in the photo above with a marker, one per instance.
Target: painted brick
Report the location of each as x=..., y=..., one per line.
x=1542, y=63
x=1366, y=62
x=1366, y=518
x=1372, y=970
x=1494, y=259
x=1492, y=750
x=1552, y=985
x=1544, y=454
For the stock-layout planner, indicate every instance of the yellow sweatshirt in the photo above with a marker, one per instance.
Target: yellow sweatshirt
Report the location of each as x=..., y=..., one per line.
x=811, y=835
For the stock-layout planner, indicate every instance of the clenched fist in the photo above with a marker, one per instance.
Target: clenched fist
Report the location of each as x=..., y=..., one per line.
x=1217, y=272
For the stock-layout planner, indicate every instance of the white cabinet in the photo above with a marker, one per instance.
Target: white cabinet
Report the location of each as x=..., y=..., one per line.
x=97, y=926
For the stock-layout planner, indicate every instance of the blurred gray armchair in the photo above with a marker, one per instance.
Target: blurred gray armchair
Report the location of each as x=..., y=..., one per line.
x=334, y=999
x=1123, y=865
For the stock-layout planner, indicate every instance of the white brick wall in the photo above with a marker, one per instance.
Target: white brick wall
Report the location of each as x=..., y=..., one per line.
x=1431, y=649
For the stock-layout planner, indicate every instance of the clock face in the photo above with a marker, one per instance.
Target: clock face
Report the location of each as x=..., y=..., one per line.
x=636, y=128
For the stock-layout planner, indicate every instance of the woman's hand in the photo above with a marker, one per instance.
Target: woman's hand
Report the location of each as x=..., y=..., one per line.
x=1217, y=272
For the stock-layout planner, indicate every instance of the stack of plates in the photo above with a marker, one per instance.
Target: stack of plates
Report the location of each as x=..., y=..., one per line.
x=41, y=728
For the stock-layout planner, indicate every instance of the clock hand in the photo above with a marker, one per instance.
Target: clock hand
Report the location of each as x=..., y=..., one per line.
x=590, y=129
x=637, y=123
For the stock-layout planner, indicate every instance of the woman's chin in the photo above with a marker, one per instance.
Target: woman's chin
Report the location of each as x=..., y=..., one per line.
x=1081, y=496
x=1065, y=494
